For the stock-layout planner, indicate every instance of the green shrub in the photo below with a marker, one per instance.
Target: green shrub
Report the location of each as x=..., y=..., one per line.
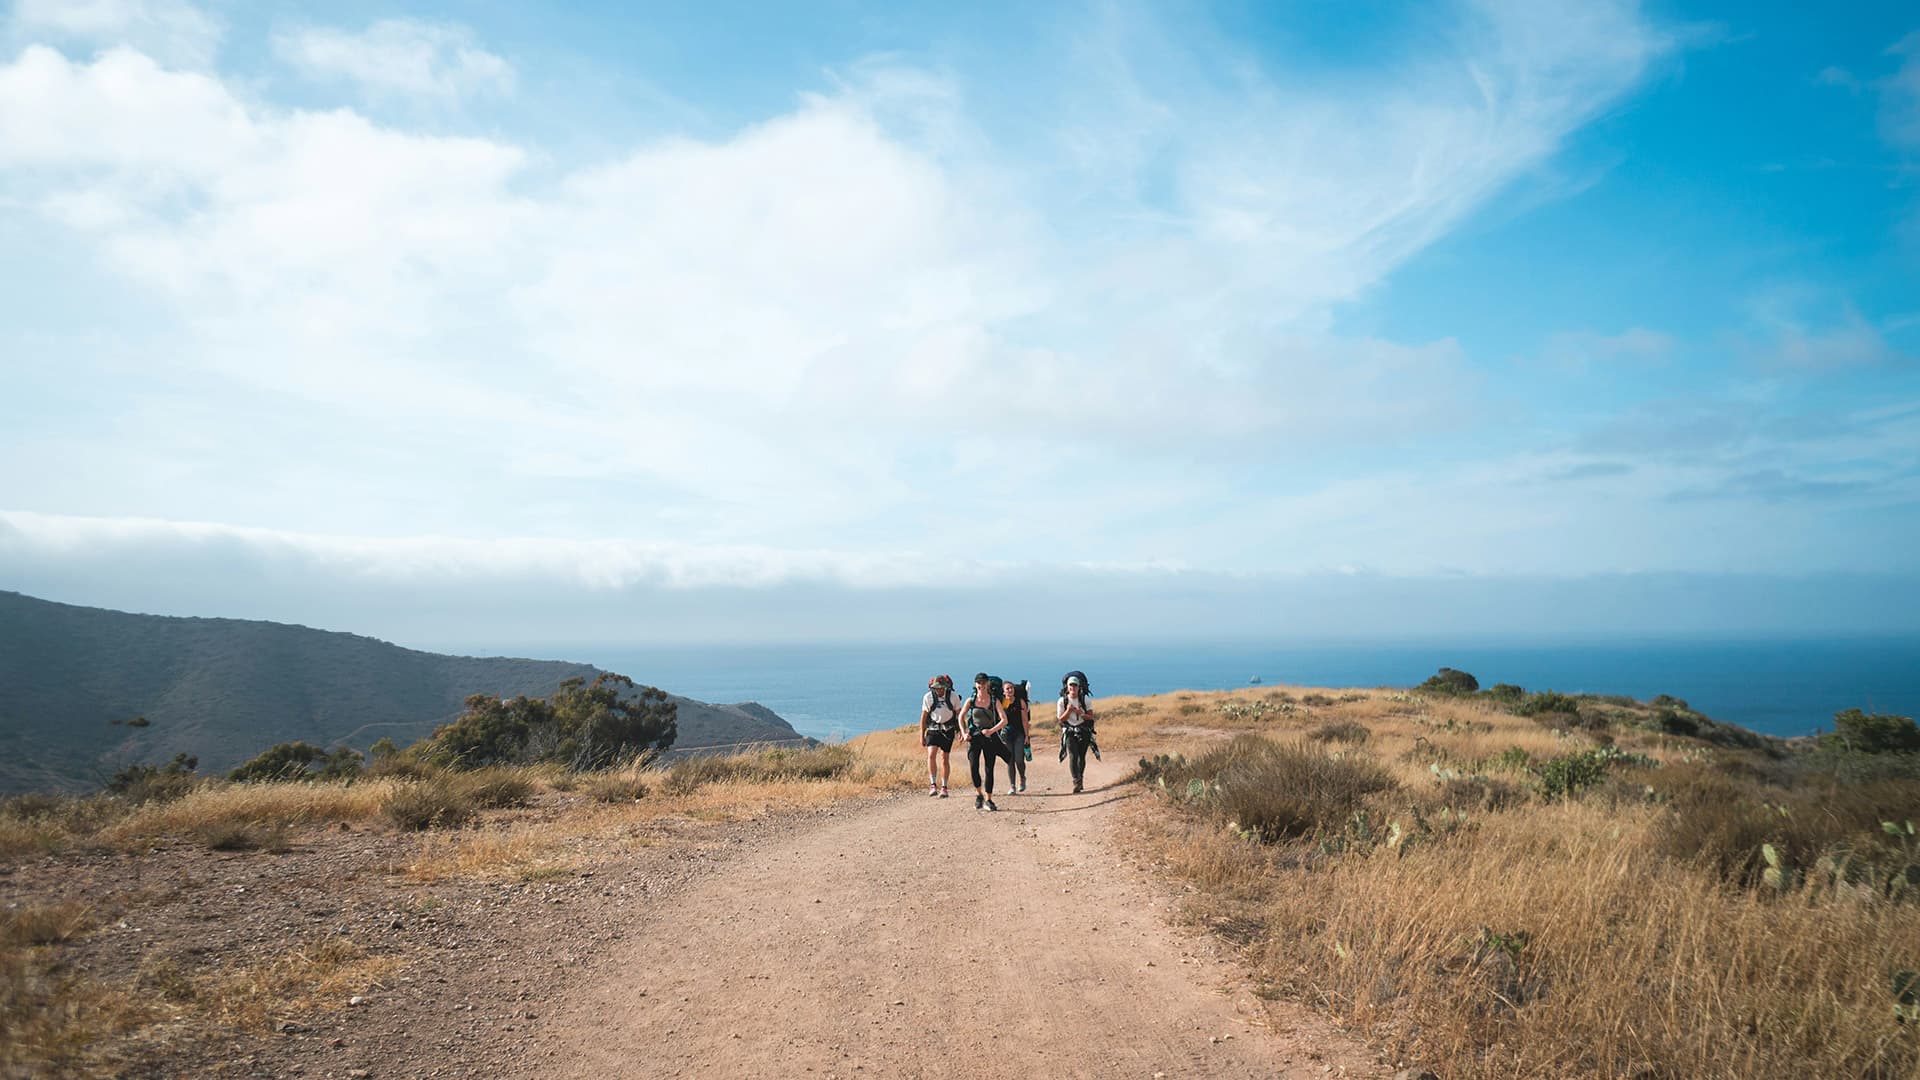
x=429, y=805
x=292, y=761
x=583, y=726
x=1506, y=693
x=1567, y=774
x=1450, y=681
x=147, y=783
x=1874, y=733
x=1547, y=702
x=1676, y=722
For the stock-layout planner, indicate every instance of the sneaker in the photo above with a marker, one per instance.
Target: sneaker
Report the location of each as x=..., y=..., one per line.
x=932, y=790
x=990, y=805
x=1076, y=787
x=943, y=793
x=979, y=801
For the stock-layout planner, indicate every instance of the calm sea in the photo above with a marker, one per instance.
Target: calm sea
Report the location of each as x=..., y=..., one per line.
x=836, y=691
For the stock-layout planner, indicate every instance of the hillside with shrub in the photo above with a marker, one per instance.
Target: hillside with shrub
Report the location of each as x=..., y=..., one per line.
x=1515, y=883
x=86, y=693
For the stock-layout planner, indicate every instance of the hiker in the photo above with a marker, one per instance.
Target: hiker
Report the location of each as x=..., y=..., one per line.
x=985, y=720
x=939, y=719
x=1075, y=714
x=1018, y=734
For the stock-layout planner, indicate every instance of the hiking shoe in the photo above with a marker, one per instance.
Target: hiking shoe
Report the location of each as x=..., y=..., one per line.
x=943, y=793
x=932, y=790
x=990, y=805
x=978, y=801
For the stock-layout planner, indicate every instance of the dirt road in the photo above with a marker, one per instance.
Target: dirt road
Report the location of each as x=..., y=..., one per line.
x=919, y=936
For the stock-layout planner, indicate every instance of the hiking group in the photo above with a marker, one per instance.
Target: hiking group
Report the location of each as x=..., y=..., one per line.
x=996, y=723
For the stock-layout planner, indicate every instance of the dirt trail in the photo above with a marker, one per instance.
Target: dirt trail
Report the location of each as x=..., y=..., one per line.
x=919, y=936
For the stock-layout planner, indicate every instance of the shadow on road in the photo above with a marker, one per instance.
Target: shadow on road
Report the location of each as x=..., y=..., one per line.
x=1087, y=806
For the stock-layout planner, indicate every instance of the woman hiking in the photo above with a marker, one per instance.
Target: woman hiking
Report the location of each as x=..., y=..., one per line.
x=1075, y=714
x=985, y=720
x=939, y=719
x=1018, y=733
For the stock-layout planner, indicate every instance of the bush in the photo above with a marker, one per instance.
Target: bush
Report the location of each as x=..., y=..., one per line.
x=583, y=726
x=243, y=836
x=429, y=805
x=1480, y=793
x=1569, y=773
x=1873, y=733
x=1507, y=693
x=1270, y=791
x=492, y=788
x=760, y=766
x=298, y=761
x=1343, y=731
x=1721, y=822
x=146, y=783
x=614, y=787
x=1451, y=681
x=1547, y=702
x=1675, y=722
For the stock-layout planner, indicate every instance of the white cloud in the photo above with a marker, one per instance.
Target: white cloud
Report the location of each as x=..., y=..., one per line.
x=821, y=331
x=402, y=58
x=173, y=31
x=1900, y=96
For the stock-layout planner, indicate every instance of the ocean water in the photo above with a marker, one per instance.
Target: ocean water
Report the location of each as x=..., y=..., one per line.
x=836, y=691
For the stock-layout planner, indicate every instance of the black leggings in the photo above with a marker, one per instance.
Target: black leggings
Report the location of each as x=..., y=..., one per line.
x=1077, y=756
x=1016, y=760
x=990, y=748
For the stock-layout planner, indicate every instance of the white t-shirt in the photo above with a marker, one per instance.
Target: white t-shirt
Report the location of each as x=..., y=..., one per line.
x=940, y=715
x=1060, y=711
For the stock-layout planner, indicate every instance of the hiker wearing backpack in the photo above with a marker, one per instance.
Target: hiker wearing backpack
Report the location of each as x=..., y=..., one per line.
x=939, y=720
x=1019, y=732
x=1075, y=714
x=985, y=720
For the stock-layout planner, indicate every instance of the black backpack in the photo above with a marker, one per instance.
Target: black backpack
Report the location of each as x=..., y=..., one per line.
x=996, y=687
x=944, y=697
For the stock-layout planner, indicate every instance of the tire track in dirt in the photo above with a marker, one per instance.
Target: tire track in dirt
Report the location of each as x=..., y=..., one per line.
x=919, y=936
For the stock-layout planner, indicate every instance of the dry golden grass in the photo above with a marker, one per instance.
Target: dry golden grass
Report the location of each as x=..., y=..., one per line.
x=1549, y=939
x=316, y=975
x=263, y=804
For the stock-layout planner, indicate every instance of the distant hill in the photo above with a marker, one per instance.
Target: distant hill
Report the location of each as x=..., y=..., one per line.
x=225, y=689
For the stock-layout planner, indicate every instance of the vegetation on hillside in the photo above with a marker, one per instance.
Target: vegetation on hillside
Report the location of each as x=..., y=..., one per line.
x=1509, y=884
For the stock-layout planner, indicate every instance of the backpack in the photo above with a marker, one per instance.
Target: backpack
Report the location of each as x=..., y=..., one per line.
x=996, y=688
x=1085, y=687
x=944, y=697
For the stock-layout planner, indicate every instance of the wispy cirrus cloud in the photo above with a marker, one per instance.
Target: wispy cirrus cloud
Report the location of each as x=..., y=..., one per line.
x=398, y=58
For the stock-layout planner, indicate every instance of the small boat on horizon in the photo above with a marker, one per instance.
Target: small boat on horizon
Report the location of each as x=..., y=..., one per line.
x=1255, y=681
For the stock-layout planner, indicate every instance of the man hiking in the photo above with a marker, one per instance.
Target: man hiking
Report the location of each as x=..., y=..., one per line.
x=939, y=720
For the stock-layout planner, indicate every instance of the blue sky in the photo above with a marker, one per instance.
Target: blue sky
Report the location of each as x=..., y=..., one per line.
x=1221, y=310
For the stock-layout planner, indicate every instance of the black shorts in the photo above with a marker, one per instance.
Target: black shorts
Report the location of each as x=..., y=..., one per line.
x=938, y=739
